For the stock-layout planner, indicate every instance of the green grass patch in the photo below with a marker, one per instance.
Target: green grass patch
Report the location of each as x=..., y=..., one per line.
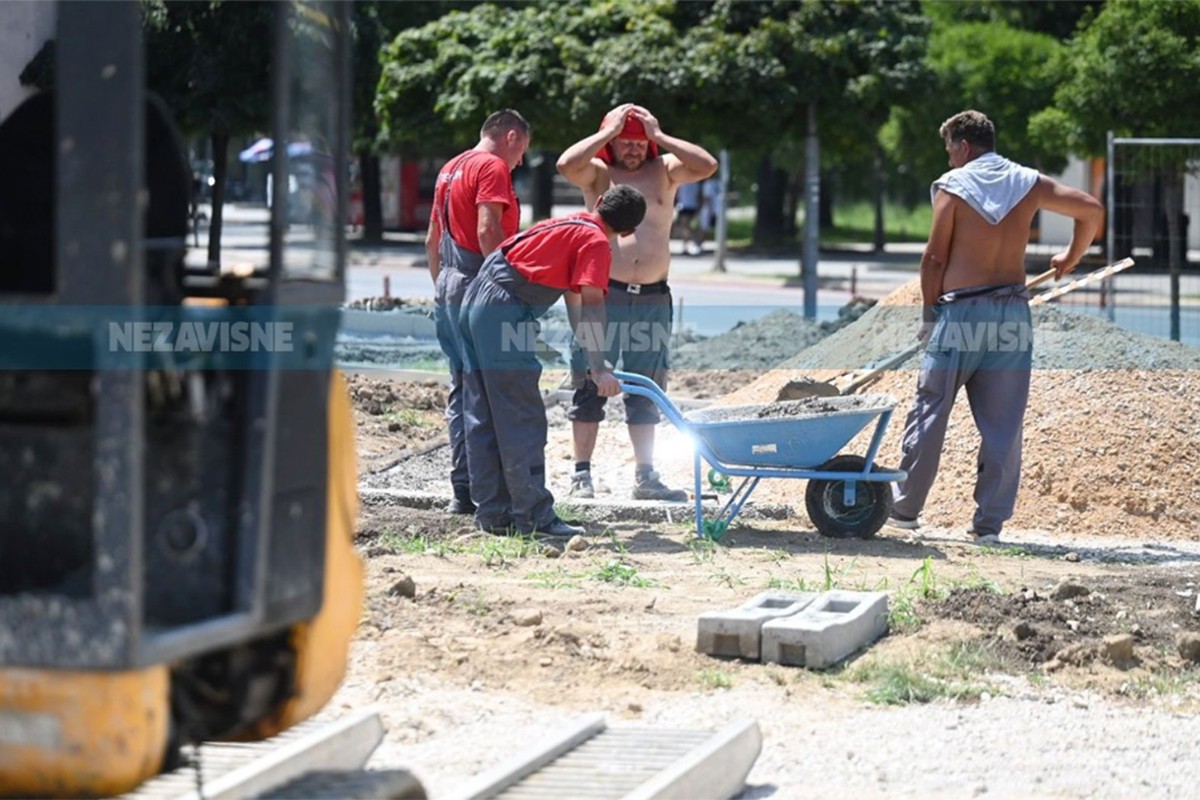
x=557, y=578
x=704, y=551
x=417, y=544
x=619, y=572
x=410, y=417
x=710, y=679
x=502, y=551
x=727, y=578
x=797, y=584
x=954, y=673
x=853, y=223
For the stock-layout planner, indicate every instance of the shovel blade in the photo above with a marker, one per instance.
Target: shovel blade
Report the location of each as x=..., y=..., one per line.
x=800, y=388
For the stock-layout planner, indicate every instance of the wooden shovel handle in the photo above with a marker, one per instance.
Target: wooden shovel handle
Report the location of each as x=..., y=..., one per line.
x=1040, y=279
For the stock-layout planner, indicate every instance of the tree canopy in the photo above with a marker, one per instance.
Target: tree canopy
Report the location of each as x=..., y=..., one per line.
x=1007, y=73
x=1135, y=70
x=739, y=72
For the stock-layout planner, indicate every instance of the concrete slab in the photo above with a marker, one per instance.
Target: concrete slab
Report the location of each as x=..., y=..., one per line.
x=828, y=630
x=735, y=632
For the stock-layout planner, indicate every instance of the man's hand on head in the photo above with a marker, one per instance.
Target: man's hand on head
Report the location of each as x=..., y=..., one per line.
x=614, y=120
x=649, y=122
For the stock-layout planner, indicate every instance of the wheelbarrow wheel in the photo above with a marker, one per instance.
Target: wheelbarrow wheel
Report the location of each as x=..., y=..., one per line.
x=824, y=500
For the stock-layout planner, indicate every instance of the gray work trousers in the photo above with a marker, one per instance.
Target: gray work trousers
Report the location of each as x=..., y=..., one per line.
x=983, y=342
x=505, y=416
x=458, y=267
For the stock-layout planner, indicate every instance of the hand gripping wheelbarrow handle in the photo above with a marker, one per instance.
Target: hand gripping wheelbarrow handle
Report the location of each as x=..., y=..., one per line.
x=644, y=387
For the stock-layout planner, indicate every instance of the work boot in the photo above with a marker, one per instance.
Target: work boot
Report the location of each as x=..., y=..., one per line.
x=461, y=504
x=581, y=485
x=648, y=485
x=499, y=528
x=903, y=522
x=560, y=528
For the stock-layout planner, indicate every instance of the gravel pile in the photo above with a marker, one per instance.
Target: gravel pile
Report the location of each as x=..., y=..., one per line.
x=763, y=343
x=1110, y=431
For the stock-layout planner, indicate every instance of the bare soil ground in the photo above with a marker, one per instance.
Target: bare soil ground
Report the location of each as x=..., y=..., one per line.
x=1063, y=665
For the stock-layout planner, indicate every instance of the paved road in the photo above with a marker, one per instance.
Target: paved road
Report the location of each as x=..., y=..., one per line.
x=752, y=286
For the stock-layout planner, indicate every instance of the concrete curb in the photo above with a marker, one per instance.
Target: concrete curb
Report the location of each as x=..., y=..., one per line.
x=597, y=510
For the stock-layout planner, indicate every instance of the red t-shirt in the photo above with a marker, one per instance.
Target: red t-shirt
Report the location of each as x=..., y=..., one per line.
x=475, y=177
x=563, y=255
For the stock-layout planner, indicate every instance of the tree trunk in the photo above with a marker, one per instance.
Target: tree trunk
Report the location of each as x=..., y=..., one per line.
x=1173, y=206
x=825, y=206
x=768, y=214
x=543, y=185
x=791, y=203
x=878, y=242
x=220, y=156
x=721, y=226
x=368, y=165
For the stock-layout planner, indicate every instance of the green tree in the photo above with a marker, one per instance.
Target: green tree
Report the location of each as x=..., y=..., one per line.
x=1056, y=18
x=849, y=60
x=742, y=74
x=1135, y=71
x=375, y=23
x=1008, y=74
x=211, y=64
x=561, y=64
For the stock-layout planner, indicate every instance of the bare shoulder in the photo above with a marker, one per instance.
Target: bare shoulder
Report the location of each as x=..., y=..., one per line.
x=1057, y=196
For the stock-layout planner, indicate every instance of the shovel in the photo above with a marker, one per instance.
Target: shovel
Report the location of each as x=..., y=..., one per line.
x=846, y=384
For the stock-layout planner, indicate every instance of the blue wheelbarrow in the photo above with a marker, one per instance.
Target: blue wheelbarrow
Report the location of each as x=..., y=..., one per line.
x=847, y=496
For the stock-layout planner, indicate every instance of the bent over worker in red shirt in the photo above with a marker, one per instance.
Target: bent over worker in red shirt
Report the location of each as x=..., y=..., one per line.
x=504, y=412
x=474, y=210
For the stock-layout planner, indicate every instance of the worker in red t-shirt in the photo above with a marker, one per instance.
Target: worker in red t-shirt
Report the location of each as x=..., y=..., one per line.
x=474, y=210
x=505, y=413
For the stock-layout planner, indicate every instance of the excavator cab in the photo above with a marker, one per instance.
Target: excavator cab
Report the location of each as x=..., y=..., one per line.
x=177, y=512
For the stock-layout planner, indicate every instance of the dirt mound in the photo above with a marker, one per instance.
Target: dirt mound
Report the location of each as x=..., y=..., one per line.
x=393, y=418
x=1110, y=430
x=1080, y=621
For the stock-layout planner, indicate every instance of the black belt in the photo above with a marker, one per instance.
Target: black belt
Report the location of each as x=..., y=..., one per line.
x=641, y=288
x=963, y=294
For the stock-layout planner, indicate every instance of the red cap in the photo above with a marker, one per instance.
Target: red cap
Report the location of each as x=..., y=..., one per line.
x=635, y=130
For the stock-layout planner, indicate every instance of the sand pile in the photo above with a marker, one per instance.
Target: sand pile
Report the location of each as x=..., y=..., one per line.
x=1110, y=433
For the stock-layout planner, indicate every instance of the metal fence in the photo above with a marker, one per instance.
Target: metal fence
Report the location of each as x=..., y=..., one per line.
x=1152, y=188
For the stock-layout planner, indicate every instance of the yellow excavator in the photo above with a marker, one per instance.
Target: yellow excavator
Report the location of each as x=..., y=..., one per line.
x=179, y=494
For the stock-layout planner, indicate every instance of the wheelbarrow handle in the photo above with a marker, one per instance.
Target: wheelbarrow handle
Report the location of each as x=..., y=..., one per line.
x=644, y=387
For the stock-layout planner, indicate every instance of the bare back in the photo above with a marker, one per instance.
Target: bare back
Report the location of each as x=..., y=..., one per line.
x=982, y=254
x=644, y=257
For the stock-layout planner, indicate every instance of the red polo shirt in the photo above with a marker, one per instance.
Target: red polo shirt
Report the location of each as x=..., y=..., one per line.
x=475, y=177
x=563, y=253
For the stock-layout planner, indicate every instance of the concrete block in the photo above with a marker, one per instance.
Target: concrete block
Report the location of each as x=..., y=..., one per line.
x=830, y=628
x=735, y=633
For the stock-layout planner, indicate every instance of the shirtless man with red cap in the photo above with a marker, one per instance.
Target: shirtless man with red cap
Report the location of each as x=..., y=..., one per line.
x=630, y=148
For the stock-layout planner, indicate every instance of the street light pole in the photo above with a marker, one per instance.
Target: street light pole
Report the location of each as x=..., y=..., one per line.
x=812, y=213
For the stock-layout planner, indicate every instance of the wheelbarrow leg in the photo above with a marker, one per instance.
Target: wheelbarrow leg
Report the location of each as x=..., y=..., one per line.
x=699, y=501
x=740, y=495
